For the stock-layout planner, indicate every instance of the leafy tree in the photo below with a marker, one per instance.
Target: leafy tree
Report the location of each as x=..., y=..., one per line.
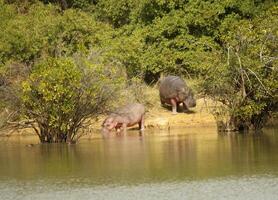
x=229, y=44
x=170, y=48
x=61, y=94
x=115, y=12
x=43, y=32
x=247, y=83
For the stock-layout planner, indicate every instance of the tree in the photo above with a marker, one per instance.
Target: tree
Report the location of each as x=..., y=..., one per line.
x=247, y=83
x=61, y=94
x=43, y=31
x=230, y=45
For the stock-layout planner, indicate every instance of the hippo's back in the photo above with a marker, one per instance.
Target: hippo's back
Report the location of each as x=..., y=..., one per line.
x=170, y=85
x=133, y=110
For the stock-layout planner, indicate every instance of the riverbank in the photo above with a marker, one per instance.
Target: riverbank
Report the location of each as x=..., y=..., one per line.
x=161, y=118
x=200, y=116
x=156, y=118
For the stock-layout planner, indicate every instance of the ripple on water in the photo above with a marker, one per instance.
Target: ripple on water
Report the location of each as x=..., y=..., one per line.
x=254, y=187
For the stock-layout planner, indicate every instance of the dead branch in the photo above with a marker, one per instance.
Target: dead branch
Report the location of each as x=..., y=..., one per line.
x=23, y=124
x=260, y=82
x=242, y=76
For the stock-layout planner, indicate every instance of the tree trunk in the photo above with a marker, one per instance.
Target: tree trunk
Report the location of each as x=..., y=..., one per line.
x=63, y=4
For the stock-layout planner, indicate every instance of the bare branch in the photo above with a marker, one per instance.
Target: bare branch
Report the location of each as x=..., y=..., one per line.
x=242, y=77
x=260, y=81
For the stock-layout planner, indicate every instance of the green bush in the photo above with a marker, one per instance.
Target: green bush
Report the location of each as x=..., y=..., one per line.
x=60, y=94
x=247, y=83
x=230, y=45
x=43, y=31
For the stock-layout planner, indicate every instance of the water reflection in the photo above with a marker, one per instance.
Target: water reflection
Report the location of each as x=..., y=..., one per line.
x=178, y=155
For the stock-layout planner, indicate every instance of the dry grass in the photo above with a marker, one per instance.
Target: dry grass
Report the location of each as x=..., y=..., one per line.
x=200, y=116
x=161, y=118
x=156, y=116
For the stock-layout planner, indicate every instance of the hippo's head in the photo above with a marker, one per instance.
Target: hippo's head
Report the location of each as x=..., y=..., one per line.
x=190, y=100
x=181, y=95
x=109, y=123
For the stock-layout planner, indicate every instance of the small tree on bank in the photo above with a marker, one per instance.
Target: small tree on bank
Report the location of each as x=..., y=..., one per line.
x=247, y=83
x=60, y=95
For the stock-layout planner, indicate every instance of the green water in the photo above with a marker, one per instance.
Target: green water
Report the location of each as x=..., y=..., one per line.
x=180, y=164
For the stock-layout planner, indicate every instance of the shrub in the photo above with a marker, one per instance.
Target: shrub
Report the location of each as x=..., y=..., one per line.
x=246, y=80
x=61, y=94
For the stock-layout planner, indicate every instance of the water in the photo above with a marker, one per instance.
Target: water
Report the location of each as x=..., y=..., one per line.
x=180, y=164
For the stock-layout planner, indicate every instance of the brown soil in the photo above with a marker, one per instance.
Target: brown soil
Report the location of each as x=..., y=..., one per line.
x=161, y=118
x=157, y=118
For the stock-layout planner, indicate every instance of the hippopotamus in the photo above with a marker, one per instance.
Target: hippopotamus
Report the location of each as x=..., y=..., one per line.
x=124, y=117
x=174, y=91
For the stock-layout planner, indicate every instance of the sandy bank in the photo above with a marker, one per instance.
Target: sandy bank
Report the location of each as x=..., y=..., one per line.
x=156, y=118
x=161, y=118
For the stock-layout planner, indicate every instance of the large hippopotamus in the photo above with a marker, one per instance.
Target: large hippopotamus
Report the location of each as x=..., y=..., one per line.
x=173, y=91
x=124, y=117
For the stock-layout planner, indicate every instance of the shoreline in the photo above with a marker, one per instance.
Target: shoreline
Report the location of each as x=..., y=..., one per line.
x=163, y=119
x=157, y=118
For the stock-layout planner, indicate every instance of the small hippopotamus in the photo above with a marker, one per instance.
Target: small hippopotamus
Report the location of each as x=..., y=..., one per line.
x=174, y=91
x=124, y=117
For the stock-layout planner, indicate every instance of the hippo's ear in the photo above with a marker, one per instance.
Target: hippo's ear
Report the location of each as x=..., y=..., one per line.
x=180, y=90
x=114, y=123
x=185, y=91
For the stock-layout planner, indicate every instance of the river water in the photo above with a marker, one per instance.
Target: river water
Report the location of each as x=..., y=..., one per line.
x=176, y=164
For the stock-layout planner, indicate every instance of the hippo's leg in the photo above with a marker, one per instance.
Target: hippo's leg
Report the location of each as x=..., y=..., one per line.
x=185, y=108
x=118, y=131
x=179, y=108
x=141, y=124
x=124, y=127
x=104, y=134
x=174, y=106
x=162, y=103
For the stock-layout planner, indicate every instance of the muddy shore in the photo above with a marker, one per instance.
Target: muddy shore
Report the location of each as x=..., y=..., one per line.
x=161, y=118
x=155, y=118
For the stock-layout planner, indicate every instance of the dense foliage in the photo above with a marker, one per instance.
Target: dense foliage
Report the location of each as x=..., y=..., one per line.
x=247, y=83
x=61, y=94
x=230, y=45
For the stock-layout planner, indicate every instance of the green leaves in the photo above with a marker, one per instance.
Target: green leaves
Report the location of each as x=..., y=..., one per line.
x=44, y=32
x=231, y=45
x=61, y=93
x=250, y=75
x=115, y=12
x=52, y=88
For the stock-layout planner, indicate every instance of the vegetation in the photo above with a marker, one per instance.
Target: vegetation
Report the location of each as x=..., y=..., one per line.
x=247, y=82
x=229, y=46
x=60, y=95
